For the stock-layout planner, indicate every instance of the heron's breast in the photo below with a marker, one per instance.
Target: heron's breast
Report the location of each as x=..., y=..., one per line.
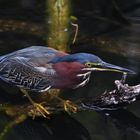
x=67, y=74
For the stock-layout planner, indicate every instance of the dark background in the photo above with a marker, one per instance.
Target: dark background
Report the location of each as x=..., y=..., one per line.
x=107, y=28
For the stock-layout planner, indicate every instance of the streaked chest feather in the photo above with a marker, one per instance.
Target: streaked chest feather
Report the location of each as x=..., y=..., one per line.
x=71, y=75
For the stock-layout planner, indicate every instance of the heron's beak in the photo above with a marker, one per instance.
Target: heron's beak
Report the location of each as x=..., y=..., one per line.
x=110, y=67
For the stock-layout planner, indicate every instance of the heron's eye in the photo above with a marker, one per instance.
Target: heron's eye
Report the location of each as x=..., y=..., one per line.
x=88, y=64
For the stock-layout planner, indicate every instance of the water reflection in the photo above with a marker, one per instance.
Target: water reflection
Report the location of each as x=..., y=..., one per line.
x=60, y=126
x=125, y=120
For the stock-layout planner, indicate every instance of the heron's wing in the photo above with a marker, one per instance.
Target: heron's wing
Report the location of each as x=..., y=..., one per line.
x=22, y=72
x=26, y=76
x=35, y=55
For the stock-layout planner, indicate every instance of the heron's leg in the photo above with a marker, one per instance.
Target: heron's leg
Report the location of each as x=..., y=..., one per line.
x=43, y=111
x=69, y=106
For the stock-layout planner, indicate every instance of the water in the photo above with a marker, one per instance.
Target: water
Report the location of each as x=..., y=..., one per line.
x=105, y=31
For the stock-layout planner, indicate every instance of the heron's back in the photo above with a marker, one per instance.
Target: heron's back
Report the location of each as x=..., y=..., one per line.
x=29, y=68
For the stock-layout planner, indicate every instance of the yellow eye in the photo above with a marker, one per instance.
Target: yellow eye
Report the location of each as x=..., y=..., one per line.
x=88, y=64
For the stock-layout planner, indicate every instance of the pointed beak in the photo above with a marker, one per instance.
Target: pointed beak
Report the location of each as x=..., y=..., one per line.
x=110, y=67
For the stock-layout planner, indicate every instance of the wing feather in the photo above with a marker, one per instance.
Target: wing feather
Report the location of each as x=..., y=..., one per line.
x=28, y=68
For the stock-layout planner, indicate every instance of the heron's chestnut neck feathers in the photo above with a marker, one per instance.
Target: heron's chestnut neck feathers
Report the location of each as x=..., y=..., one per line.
x=69, y=69
x=67, y=74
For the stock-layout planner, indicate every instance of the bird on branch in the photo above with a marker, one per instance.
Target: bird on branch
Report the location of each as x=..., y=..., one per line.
x=39, y=69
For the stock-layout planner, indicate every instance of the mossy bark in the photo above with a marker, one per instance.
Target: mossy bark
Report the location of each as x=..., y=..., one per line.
x=58, y=23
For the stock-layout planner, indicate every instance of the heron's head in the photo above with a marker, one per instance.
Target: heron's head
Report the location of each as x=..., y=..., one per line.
x=91, y=62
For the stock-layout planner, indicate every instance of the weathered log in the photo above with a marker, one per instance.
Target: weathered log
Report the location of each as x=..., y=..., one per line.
x=118, y=98
x=122, y=96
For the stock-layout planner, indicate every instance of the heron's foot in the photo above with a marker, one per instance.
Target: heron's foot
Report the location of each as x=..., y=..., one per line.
x=39, y=108
x=70, y=106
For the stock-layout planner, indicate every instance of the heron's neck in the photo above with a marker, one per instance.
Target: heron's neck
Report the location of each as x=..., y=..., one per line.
x=68, y=69
x=70, y=74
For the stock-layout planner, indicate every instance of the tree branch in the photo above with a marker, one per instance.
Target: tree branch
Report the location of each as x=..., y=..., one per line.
x=122, y=96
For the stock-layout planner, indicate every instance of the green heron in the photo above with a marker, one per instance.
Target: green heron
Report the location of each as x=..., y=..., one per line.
x=39, y=69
